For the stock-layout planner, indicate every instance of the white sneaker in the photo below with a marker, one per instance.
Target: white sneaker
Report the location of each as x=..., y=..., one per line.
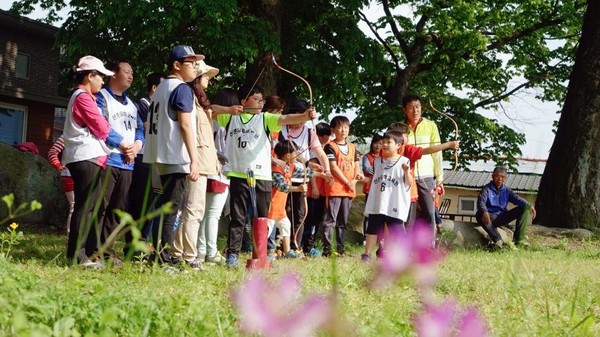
x=86, y=263
x=217, y=259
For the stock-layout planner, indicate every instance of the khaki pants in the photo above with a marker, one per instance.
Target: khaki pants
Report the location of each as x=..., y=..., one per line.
x=186, y=237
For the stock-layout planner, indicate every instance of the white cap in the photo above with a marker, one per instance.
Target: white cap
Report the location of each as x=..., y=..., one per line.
x=90, y=62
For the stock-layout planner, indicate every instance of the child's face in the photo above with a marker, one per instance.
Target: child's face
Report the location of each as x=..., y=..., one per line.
x=254, y=102
x=389, y=147
x=341, y=131
x=376, y=147
x=290, y=157
x=324, y=139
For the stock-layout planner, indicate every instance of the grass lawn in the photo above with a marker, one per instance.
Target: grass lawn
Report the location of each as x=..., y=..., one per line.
x=548, y=290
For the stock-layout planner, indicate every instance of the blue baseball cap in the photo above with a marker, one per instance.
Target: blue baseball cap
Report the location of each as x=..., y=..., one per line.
x=182, y=51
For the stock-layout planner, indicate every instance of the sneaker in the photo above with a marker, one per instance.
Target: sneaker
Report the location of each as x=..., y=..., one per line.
x=195, y=264
x=168, y=269
x=498, y=244
x=232, y=261
x=217, y=259
x=365, y=257
x=314, y=252
x=175, y=260
x=86, y=263
x=292, y=254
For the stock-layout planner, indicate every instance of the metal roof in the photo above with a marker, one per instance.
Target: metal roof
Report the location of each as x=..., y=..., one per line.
x=525, y=183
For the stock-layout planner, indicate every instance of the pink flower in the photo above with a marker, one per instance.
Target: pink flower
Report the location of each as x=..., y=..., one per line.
x=446, y=320
x=271, y=309
x=409, y=252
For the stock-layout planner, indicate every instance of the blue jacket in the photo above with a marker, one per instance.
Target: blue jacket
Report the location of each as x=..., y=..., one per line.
x=495, y=201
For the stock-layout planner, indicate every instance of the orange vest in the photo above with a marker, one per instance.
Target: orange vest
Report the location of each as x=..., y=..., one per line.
x=371, y=157
x=347, y=165
x=279, y=198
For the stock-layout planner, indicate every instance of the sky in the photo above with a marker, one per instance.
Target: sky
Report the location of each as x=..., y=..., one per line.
x=523, y=112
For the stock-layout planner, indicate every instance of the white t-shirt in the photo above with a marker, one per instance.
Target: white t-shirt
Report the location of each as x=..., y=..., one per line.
x=388, y=194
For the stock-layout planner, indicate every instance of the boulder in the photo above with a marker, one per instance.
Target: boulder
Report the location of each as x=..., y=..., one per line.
x=31, y=177
x=467, y=234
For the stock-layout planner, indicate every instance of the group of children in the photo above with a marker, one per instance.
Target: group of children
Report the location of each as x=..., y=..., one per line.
x=201, y=150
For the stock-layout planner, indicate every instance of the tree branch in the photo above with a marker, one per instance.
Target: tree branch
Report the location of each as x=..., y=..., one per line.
x=390, y=19
x=525, y=32
x=385, y=45
x=536, y=79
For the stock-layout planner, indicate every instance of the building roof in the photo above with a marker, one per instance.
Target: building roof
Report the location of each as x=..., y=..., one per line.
x=14, y=21
x=524, y=183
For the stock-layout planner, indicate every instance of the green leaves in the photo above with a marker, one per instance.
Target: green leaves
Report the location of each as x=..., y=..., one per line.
x=466, y=52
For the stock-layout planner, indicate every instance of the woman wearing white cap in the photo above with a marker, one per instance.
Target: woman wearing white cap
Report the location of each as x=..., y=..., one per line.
x=85, y=155
x=186, y=236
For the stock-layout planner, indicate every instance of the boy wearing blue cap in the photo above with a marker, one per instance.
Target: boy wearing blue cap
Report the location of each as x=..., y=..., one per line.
x=170, y=140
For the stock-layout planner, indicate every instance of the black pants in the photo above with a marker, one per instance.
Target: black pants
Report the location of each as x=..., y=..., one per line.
x=87, y=178
x=296, y=211
x=117, y=182
x=141, y=198
x=502, y=220
x=314, y=220
x=174, y=191
x=239, y=203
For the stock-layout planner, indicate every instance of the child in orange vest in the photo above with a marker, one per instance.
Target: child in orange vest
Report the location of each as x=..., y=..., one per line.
x=317, y=189
x=345, y=167
x=282, y=185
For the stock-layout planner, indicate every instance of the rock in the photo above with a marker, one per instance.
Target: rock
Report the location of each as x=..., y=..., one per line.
x=354, y=231
x=581, y=234
x=540, y=230
x=31, y=177
x=467, y=234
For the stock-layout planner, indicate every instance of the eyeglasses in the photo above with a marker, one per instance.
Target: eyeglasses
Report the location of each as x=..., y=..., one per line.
x=256, y=99
x=194, y=64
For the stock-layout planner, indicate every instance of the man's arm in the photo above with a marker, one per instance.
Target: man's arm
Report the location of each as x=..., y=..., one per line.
x=189, y=139
x=517, y=200
x=440, y=147
x=481, y=205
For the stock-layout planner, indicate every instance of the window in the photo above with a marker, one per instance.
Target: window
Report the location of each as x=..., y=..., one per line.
x=22, y=66
x=12, y=123
x=467, y=205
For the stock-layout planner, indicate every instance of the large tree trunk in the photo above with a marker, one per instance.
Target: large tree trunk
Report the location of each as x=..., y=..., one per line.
x=569, y=194
x=261, y=72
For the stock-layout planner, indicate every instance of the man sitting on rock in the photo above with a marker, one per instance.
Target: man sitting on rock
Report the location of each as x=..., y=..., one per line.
x=492, y=211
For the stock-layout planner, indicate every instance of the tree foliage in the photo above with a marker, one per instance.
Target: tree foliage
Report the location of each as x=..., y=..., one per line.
x=460, y=54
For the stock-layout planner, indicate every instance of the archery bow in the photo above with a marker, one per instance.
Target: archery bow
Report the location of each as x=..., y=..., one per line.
x=310, y=94
x=455, y=132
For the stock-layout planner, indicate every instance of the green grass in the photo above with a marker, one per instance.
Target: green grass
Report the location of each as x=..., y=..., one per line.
x=544, y=291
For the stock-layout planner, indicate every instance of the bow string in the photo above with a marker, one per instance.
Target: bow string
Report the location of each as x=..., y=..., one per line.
x=455, y=132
